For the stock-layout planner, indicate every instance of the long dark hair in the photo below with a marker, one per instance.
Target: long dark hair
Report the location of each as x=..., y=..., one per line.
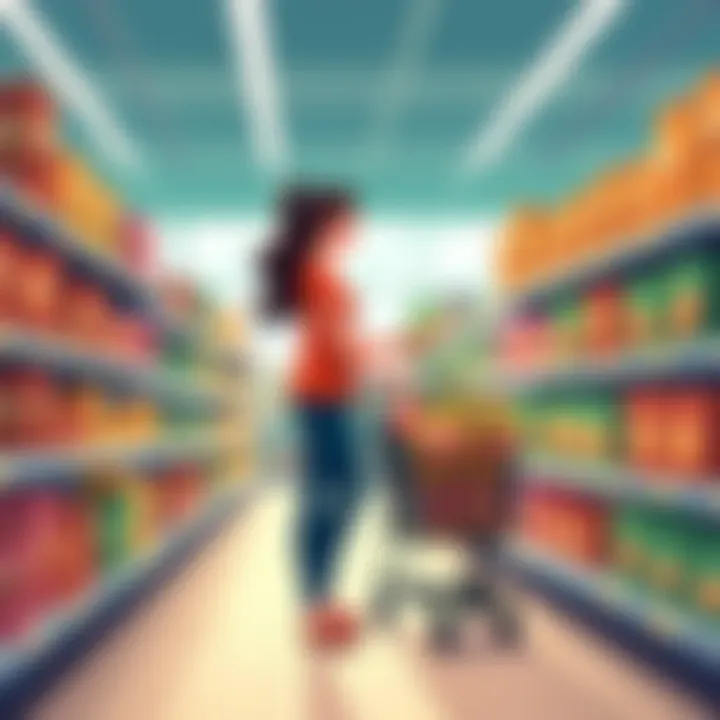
x=303, y=213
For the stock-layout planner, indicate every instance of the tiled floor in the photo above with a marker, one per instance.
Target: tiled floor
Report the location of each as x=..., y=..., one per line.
x=220, y=644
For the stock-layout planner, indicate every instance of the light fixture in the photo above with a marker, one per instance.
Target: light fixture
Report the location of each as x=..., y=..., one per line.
x=257, y=79
x=582, y=29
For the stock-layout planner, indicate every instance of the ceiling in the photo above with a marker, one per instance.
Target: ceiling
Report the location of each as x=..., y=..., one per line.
x=366, y=99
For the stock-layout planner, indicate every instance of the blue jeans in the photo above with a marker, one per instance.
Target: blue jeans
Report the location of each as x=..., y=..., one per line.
x=328, y=492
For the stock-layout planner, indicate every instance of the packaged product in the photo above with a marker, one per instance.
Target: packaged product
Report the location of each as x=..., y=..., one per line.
x=39, y=283
x=114, y=526
x=603, y=320
x=631, y=558
x=33, y=402
x=648, y=426
x=10, y=258
x=692, y=301
x=137, y=249
x=704, y=561
x=667, y=563
x=89, y=413
x=644, y=308
x=88, y=314
x=566, y=324
x=19, y=599
x=692, y=446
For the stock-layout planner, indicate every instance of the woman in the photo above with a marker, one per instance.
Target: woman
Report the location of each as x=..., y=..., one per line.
x=304, y=284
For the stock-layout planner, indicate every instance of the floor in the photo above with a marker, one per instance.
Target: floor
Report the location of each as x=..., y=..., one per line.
x=220, y=643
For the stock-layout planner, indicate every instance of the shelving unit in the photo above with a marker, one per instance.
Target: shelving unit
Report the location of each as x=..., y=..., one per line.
x=48, y=466
x=697, y=360
x=59, y=640
x=693, y=637
x=699, y=229
x=56, y=354
x=693, y=645
x=37, y=226
x=117, y=514
x=699, y=496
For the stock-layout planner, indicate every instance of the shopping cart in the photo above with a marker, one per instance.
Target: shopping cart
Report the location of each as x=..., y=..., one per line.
x=463, y=491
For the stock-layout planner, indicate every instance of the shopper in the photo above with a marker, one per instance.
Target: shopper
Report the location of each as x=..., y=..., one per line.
x=305, y=285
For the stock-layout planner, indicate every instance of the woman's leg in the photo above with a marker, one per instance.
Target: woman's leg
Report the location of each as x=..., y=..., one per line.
x=328, y=494
x=314, y=521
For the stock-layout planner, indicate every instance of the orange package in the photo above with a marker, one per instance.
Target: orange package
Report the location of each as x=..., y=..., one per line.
x=692, y=440
x=678, y=153
x=709, y=132
x=647, y=429
x=604, y=312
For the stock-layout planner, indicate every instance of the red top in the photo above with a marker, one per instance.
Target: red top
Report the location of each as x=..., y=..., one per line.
x=326, y=365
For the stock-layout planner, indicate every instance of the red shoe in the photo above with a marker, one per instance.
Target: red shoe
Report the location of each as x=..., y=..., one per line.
x=331, y=627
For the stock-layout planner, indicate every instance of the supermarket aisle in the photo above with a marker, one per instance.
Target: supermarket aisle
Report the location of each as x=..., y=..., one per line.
x=219, y=643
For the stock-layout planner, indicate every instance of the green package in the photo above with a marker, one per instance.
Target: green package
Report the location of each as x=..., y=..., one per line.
x=644, y=299
x=704, y=571
x=668, y=575
x=114, y=529
x=603, y=417
x=630, y=544
x=566, y=321
x=692, y=297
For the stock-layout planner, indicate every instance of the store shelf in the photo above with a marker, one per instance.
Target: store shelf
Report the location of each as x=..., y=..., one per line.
x=61, y=637
x=61, y=465
x=693, y=638
x=694, y=360
x=37, y=226
x=701, y=229
x=696, y=495
x=122, y=375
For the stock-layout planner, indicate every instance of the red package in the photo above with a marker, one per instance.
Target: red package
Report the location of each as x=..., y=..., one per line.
x=88, y=315
x=9, y=267
x=137, y=247
x=29, y=121
x=34, y=404
x=603, y=320
x=39, y=282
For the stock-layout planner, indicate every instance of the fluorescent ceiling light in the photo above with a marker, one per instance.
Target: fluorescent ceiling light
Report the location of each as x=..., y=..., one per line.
x=559, y=58
x=256, y=67
x=67, y=79
x=415, y=34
